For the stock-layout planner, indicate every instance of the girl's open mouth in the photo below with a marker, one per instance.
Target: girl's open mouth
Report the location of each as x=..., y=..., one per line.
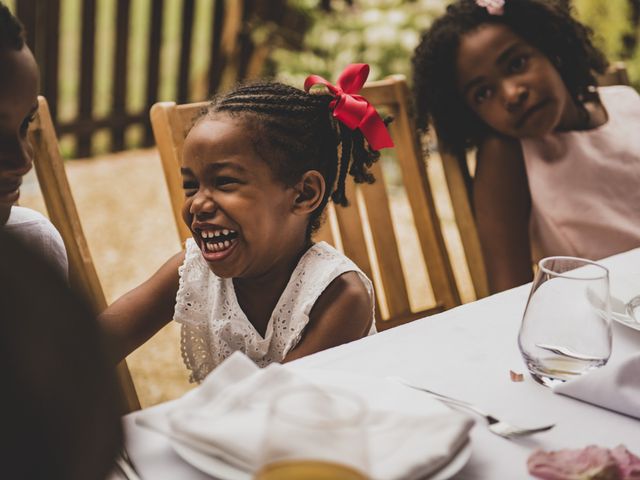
x=217, y=244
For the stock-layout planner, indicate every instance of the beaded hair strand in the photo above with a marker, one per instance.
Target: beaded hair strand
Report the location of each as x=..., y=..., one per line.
x=295, y=132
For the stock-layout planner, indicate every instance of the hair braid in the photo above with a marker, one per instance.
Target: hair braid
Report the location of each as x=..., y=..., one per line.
x=363, y=159
x=339, y=196
x=295, y=132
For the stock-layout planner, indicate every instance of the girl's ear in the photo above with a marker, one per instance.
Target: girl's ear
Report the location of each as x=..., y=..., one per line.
x=310, y=191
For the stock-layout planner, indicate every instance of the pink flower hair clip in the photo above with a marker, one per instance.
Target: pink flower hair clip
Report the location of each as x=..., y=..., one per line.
x=494, y=7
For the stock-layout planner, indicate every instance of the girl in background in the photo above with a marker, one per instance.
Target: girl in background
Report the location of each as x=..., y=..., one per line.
x=558, y=159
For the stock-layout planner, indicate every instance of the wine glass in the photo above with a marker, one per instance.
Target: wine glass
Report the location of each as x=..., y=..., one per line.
x=566, y=327
x=315, y=433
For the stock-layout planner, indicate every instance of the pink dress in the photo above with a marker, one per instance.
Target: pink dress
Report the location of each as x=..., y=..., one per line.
x=585, y=185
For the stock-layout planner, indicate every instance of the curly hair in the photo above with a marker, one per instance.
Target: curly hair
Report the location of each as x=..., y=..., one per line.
x=300, y=134
x=545, y=24
x=11, y=30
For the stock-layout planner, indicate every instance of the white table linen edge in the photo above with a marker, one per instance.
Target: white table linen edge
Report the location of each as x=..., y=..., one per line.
x=235, y=397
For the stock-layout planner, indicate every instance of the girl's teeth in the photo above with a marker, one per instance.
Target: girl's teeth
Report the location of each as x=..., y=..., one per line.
x=216, y=246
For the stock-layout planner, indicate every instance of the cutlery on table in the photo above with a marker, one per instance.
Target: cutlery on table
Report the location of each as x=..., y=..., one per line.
x=125, y=466
x=499, y=427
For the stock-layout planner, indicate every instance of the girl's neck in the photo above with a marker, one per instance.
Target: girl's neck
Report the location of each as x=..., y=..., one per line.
x=280, y=271
x=258, y=296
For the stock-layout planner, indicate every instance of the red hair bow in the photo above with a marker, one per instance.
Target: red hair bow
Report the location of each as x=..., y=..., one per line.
x=352, y=109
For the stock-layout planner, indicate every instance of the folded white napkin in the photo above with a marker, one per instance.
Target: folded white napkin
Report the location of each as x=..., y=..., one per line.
x=615, y=386
x=410, y=434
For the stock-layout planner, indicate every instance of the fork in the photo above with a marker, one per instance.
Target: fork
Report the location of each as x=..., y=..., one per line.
x=499, y=427
x=125, y=465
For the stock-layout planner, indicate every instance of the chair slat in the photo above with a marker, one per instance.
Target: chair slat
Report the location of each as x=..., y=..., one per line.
x=62, y=211
x=415, y=179
x=386, y=246
x=465, y=221
x=616, y=74
x=351, y=233
x=167, y=129
x=187, y=115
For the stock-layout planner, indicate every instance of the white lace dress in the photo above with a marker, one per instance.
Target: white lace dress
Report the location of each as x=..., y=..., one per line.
x=214, y=326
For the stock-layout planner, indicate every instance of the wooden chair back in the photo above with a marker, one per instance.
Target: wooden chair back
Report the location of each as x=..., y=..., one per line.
x=62, y=211
x=459, y=183
x=364, y=230
x=616, y=74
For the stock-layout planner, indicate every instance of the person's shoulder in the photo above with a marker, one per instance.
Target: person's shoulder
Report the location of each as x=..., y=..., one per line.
x=499, y=146
x=346, y=296
x=37, y=231
x=26, y=222
x=618, y=90
x=335, y=264
x=500, y=174
x=623, y=95
x=324, y=253
x=23, y=215
x=351, y=287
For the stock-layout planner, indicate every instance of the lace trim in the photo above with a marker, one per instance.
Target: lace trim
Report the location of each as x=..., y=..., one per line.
x=214, y=325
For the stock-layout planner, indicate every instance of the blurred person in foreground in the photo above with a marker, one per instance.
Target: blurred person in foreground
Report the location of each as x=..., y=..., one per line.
x=18, y=107
x=60, y=399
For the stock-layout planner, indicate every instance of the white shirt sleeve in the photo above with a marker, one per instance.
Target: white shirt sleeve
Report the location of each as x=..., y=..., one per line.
x=36, y=231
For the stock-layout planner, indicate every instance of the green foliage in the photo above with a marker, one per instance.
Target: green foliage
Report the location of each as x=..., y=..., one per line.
x=382, y=33
x=611, y=22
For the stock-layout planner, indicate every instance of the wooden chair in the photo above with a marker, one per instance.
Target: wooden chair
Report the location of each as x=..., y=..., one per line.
x=369, y=217
x=616, y=74
x=459, y=181
x=62, y=211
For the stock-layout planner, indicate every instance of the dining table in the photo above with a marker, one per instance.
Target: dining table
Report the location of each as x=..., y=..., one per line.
x=469, y=352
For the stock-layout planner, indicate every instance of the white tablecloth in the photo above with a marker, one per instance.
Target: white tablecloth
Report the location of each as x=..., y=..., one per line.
x=467, y=353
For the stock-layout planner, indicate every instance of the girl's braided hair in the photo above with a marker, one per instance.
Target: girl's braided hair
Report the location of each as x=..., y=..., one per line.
x=11, y=30
x=545, y=24
x=295, y=132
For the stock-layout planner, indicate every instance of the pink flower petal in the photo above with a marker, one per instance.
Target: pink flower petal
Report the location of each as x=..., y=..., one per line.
x=590, y=463
x=628, y=463
x=494, y=7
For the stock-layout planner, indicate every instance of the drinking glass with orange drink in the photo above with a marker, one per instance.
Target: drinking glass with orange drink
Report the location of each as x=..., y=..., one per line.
x=315, y=434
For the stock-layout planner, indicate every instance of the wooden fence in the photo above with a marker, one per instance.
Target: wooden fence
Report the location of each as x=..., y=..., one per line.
x=232, y=56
